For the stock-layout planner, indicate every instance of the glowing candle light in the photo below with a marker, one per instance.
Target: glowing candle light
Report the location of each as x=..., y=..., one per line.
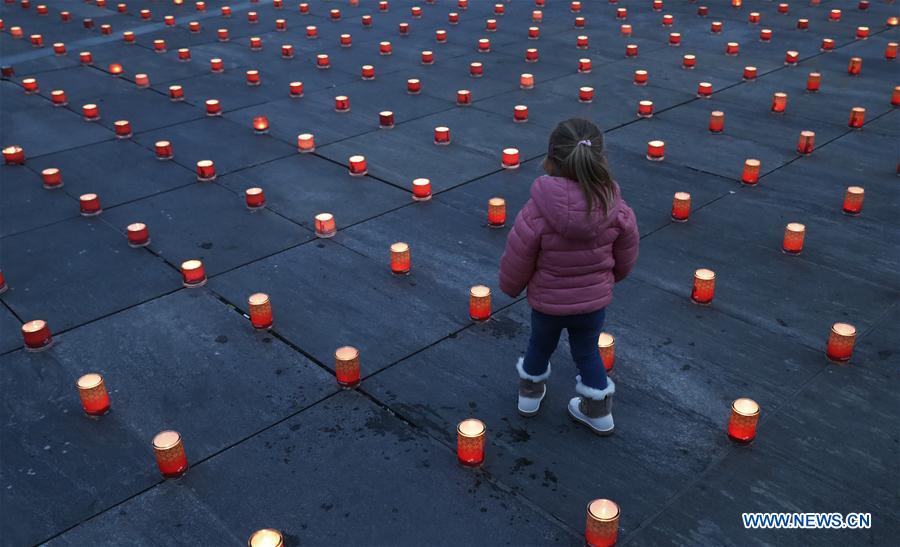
x=287, y=51
x=170, y=457
x=385, y=48
x=37, y=40
x=625, y=30
x=602, y=526
x=640, y=77
x=765, y=35
x=222, y=35
x=531, y=55
x=750, y=174
x=106, y=29
x=802, y=24
x=749, y=73
x=631, y=50
x=520, y=113
x=453, y=18
x=325, y=225
x=840, y=342
x=138, y=234
x=280, y=25
x=716, y=121
x=510, y=158
x=184, y=54
x=58, y=97
x=122, y=129
x=704, y=90
x=743, y=420
x=194, y=27
x=791, y=58
x=206, y=171
x=584, y=66
x=463, y=97
x=90, y=112
x=681, y=206
x=14, y=155
x=266, y=537
x=213, y=107
x=51, y=177
x=702, y=11
x=890, y=51
x=89, y=205
x=413, y=86
x=87, y=22
x=346, y=367
x=382, y=5
x=715, y=27
x=252, y=17
x=306, y=143
x=36, y=335
x=857, y=117
x=863, y=4
x=400, y=259
x=3, y=285
x=534, y=33
x=30, y=85
x=65, y=16
x=621, y=13
x=806, y=143
x=575, y=6
x=606, y=346
x=342, y=103
x=93, y=394
x=834, y=15
x=176, y=93
x=253, y=78
x=260, y=125
x=476, y=69
x=470, y=436
x=853, y=200
x=753, y=18
x=732, y=48
x=193, y=274
x=499, y=9
x=895, y=96
x=59, y=48
x=335, y=14
x=421, y=189
x=689, y=61
x=368, y=72
x=440, y=36
x=490, y=25
x=645, y=109
x=85, y=57
x=794, y=234
x=357, y=166
x=260, y=308
x=256, y=43
x=526, y=81
x=496, y=212
x=783, y=8
x=441, y=135
x=779, y=102
x=537, y=16
x=200, y=6
x=163, y=150
x=159, y=46
x=480, y=303
x=427, y=57
x=585, y=94
x=303, y=8
x=656, y=150
x=854, y=67
x=312, y=32
x=704, y=286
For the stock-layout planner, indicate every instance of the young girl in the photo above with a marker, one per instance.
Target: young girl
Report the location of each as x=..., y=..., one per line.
x=571, y=242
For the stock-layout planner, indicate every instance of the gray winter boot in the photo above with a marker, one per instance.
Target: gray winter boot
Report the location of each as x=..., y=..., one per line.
x=594, y=407
x=532, y=390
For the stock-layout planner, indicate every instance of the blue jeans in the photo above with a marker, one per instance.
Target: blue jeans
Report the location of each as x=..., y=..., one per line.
x=584, y=329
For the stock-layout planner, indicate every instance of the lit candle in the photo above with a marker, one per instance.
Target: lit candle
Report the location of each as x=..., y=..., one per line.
x=368, y=72
x=689, y=61
x=750, y=175
x=749, y=73
x=213, y=107
x=413, y=86
x=441, y=135
x=87, y=22
x=853, y=200
x=138, y=234
x=743, y=420
x=490, y=25
x=531, y=55
x=802, y=24
x=416, y=12
x=65, y=16
x=193, y=274
x=625, y=30
x=260, y=125
x=170, y=456
x=857, y=117
x=304, y=8
x=93, y=394
x=51, y=178
x=674, y=39
x=498, y=8
x=222, y=34
x=384, y=48
x=3, y=285
x=176, y=93
x=526, y=81
x=791, y=58
x=863, y=4
x=296, y=89
x=575, y=6
x=794, y=233
x=862, y=33
x=510, y=158
x=206, y=171
x=335, y=14
x=36, y=335
x=427, y=57
x=834, y=15
x=779, y=102
x=732, y=48
x=382, y=5
x=463, y=97
x=631, y=50
x=184, y=54
x=89, y=205
x=421, y=189
x=453, y=18
x=400, y=258
x=312, y=32
x=895, y=96
x=890, y=51
x=255, y=198
x=358, y=166
x=753, y=17
x=346, y=40
x=806, y=143
x=476, y=69
x=704, y=286
x=520, y=113
x=657, y=5
x=346, y=367
x=122, y=129
x=602, y=527
x=440, y=36
x=14, y=155
x=765, y=35
x=253, y=77
x=827, y=44
x=159, y=46
x=716, y=121
x=287, y=51
x=163, y=150
x=715, y=27
x=322, y=61
x=704, y=90
x=783, y=8
x=702, y=11
x=645, y=109
x=496, y=212
x=480, y=303
x=581, y=42
x=585, y=94
x=681, y=206
x=640, y=77
x=668, y=20
x=656, y=150
x=59, y=48
x=194, y=27
x=386, y=119
x=252, y=17
x=260, y=310
x=30, y=85
x=606, y=345
x=855, y=66
x=470, y=442
x=306, y=143
x=534, y=33
x=537, y=16
x=621, y=13
x=840, y=342
x=37, y=40
x=106, y=28
x=280, y=25
x=226, y=11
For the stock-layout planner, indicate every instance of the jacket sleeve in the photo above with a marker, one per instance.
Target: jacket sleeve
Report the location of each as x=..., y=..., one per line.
x=522, y=248
x=625, y=248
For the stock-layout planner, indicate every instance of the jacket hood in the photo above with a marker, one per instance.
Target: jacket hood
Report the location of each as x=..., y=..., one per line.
x=563, y=204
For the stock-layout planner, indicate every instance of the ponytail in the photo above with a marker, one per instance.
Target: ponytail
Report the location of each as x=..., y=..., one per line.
x=576, y=153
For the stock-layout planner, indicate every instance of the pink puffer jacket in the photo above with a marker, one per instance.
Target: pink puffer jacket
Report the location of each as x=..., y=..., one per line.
x=568, y=259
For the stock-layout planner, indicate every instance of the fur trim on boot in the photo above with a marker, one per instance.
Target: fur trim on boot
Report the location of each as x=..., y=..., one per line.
x=525, y=376
x=592, y=392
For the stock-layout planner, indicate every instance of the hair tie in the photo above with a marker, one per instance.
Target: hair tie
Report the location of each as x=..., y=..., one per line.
x=585, y=142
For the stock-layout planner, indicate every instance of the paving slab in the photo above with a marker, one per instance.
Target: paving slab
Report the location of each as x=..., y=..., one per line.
x=185, y=384
x=45, y=129
x=26, y=204
x=879, y=347
x=10, y=336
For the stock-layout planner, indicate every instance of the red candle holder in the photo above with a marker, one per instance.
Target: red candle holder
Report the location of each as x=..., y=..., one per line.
x=176, y=93
x=59, y=48
x=631, y=50
x=453, y=18
x=200, y=6
x=357, y=166
x=3, y=286
x=584, y=66
x=87, y=23
x=30, y=85
x=260, y=308
x=736, y=3
x=625, y=30
x=585, y=94
x=159, y=46
x=427, y=57
x=213, y=107
x=520, y=113
x=862, y=33
x=753, y=18
x=368, y=72
x=342, y=103
x=93, y=394
x=702, y=11
x=783, y=8
x=306, y=143
x=537, y=15
x=855, y=66
x=441, y=135
x=484, y=45
x=184, y=54
x=526, y=81
x=346, y=367
x=476, y=69
x=606, y=346
x=58, y=97
x=715, y=27
x=260, y=125
x=681, y=206
x=840, y=342
x=312, y=32
x=440, y=36
x=640, y=77
x=689, y=62
x=704, y=90
x=575, y=6
x=65, y=16
x=400, y=261
x=385, y=48
x=621, y=13
x=421, y=189
x=765, y=35
x=749, y=73
x=90, y=205
x=863, y=4
x=252, y=17
x=802, y=24
x=163, y=150
x=253, y=77
x=256, y=43
x=14, y=155
x=222, y=35
x=499, y=9
x=463, y=97
x=335, y=14
x=122, y=129
x=656, y=150
x=732, y=49
x=193, y=274
x=743, y=420
x=36, y=40
x=853, y=200
x=216, y=65
x=496, y=212
x=194, y=27
x=386, y=119
x=750, y=175
x=206, y=171
x=857, y=117
x=779, y=102
x=794, y=234
x=480, y=303
x=531, y=55
x=534, y=33
x=716, y=121
x=382, y=5
x=791, y=58
x=170, y=457
x=106, y=29
x=645, y=109
x=890, y=51
x=325, y=225
x=704, y=286
x=470, y=436
x=254, y=198
x=403, y=29
x=85, y=57
x=303, y=8
x=490, y=25
x=602, y=526
x=510, y=158
x=806, y=143
x=413, y=86
x=674, y=39
x=346, y=40
x=138, y=234
x=834, y=15
x=287, y=51
x=895, y=96
x=52, y=178
x=36, y=335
